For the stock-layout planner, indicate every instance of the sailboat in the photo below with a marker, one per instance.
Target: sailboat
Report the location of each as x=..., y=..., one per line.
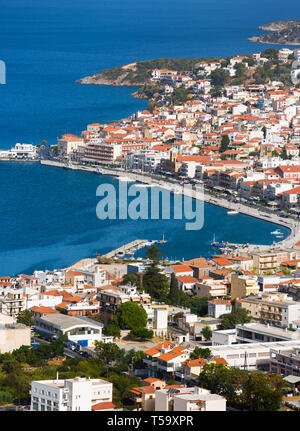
x=162, y=241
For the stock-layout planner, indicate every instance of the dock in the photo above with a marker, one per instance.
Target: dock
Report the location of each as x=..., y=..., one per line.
x=138, y=243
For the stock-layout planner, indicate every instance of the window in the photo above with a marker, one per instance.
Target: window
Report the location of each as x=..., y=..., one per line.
x=35, y=406
x=42, y=407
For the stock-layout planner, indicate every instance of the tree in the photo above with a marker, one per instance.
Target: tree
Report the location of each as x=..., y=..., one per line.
x=238, y=316
x=25, y=317
x=216, y=91
x=130, y=316
x=284, y=154
x=154, y=282
x=174, y=290
x=200, y=352
x=142, y=333
x=199, y=306
x=270, y=53
x=132, y=279
x=262, y=392
x=224, y=143
x=44, y=143
x=122, y=385
x=206, y=332
x=219, y=77
x=108, y=353
x=112, y=330
x=222, y=380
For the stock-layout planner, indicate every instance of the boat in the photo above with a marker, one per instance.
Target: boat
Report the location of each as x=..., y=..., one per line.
x=99, y=171
x=276, y=232
x=162, y=241
x=232, y=212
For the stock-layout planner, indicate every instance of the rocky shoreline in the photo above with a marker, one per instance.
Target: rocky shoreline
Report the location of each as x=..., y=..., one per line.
x=281, y=33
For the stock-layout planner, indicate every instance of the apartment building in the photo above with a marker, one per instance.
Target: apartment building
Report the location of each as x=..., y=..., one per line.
x=285, y=363
x=112, y=297
x=243, y=285
x=209, y=287
x=99, y=151
x=78, y=394
x=277, y=309
x=13, y=302
x=269, y=260
x=157, y=316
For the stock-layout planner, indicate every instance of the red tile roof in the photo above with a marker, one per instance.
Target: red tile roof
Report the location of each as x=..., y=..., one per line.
x=103, y=406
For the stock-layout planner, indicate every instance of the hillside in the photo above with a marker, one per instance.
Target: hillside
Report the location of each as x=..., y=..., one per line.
x=139, y=73
x=282, y=33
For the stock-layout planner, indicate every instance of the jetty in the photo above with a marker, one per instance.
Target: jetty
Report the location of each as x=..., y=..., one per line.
x=136, y=244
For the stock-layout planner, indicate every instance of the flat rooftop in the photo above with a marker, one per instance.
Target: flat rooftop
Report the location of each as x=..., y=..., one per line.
x=254, y=347
x=64, y=321
x=269, y=330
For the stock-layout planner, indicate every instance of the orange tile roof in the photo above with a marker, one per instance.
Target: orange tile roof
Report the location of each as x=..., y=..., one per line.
x=103, y=406
x=187, y=279
x=181, y=268
x=44, y=310
x=200, y=362
x=220, y=361
x=156, y=349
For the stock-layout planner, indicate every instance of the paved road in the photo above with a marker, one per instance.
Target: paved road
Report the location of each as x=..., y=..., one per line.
x=68, y=352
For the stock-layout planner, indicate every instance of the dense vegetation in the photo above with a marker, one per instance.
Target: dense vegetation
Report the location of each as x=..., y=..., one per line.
x=19, y=368
x=288, y=33
x=242, y=390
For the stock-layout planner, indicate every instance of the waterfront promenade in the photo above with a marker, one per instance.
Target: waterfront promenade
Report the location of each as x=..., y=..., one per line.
x=172, y=184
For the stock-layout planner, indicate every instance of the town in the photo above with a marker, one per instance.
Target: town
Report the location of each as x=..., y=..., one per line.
x=115, y=333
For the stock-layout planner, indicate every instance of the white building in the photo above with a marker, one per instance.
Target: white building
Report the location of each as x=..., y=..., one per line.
x=250, y=355
x=224, y=337
x=217, y=307
x=21, y=151
x=257, y=332
x=188, y=399
x=157, y=316
x=78, y=394
x=13, y=336
x=81, y=330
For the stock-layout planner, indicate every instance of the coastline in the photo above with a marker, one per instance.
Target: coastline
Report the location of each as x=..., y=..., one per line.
x=291, y=224
x=256, y=39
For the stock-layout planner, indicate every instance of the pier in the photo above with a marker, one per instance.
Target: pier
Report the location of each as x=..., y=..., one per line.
x=138, y=243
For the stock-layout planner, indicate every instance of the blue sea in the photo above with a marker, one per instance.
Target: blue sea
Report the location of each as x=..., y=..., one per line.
x=47, y=216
